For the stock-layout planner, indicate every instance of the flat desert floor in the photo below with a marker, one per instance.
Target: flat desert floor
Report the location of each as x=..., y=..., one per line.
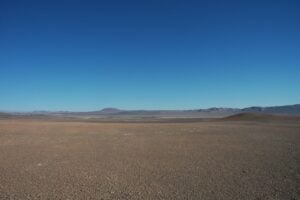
x=198, y=160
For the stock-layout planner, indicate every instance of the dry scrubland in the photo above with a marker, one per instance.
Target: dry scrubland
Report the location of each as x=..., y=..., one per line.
x=199, y=160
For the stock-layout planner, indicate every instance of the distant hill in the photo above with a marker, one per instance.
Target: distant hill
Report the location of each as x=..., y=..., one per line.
x=259, y=117
x=286, y=110
x=5, y=115
x=110, y=110
x=138, y=114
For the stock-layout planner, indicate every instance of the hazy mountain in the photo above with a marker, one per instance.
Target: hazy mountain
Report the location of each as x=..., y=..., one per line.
x=5, y=115
x=214, y=112
x=110, y=110
x=286, y=110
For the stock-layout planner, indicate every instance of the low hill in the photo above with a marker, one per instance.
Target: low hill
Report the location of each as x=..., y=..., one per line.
x=110, y=110
x=283, y=110
x=5, y=115
x=249, y=113
x=259, y=117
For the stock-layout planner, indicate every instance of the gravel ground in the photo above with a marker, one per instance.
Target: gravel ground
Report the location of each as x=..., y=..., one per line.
x=203, y=160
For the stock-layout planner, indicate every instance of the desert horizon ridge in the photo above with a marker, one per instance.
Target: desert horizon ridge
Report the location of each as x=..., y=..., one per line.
x=116, y=109
x=119, y=114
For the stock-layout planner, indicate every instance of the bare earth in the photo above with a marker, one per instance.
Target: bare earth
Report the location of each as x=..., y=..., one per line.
x=199, y=160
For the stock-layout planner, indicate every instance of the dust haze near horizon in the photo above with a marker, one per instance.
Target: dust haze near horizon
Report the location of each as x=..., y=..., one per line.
x=87, y=55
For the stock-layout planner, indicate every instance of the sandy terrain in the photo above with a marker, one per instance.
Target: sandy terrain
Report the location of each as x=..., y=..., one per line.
x=200, y=160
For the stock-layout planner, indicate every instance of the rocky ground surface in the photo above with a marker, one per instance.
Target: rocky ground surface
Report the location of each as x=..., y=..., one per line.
x=200, y=160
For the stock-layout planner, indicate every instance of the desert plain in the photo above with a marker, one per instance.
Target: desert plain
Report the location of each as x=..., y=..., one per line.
x=218, y=159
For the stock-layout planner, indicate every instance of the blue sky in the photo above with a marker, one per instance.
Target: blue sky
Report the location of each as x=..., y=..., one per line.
x=87, y=55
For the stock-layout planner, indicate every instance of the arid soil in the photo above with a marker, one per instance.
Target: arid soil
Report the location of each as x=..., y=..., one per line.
x=199, y=160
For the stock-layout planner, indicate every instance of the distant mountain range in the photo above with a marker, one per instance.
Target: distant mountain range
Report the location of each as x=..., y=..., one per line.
x=197, y=113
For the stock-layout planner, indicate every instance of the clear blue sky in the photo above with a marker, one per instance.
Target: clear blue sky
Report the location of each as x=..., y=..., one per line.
x=87, y=55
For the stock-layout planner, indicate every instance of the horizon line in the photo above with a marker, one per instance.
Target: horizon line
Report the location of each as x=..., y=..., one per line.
x=121, y=109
